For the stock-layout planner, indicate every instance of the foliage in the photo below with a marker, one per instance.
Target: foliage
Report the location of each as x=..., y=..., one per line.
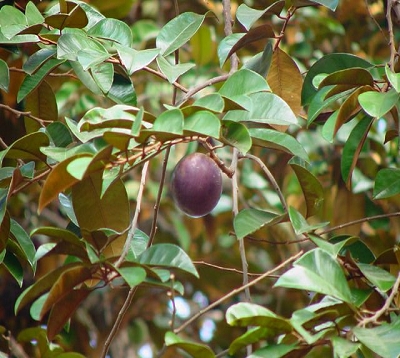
x=99, y=103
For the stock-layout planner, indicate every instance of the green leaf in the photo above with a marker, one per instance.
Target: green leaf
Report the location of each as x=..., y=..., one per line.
x=28, y=147
x=311, y=187
x=394, y=78
x=330, y=4
x=173, y=72
x=380, y=278
x=122, y=90
x=59, y=134
x=103, y=75
x=12, y=21
x=114, y=30
x=167, y=255
x=178, y=31
x=134, y=60
x=377, y=104
x=387, y=183
x=4, y=76
x=170, y=121
x=273, y=351
x=382, y=340
x=317, y=271
x=261, y=62
x=248, y=16
x=25, y=242
x=353, y=147
x=300, y=225
x=192, y=348
x=249, y=220
x=32, y=81
x=237, y=135
x=252, y=335
x=243, y=82
x=274, y=139
x=85, y=77
x=202, y=123
x=33, y=15
x=213, y=102
x=342, y=348
x=226, y=45
x=329, y=64
x=349, y=77
x=133, y=276
x=37, y=60
x=13, y=266
x=245, y=314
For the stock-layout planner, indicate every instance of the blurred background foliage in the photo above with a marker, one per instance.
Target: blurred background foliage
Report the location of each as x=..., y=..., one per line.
x=357, y=27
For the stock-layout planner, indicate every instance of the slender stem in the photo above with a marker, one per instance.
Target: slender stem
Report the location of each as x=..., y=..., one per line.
x=26, y=114
x=159, y=74
x=289, y=15
x=226, y=5
x=132, y=229
x=237, y=291
x=392, y=45
x=385, y=307
x=270, y=178
x=359, y=221
x=158, y=200
x=118, y=321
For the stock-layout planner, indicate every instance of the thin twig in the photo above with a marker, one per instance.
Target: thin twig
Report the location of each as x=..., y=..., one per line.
x=158, y=200
x=289, y=15
x=386, y=306
x=270, y=178
x=132, y=229
x=26, y=114
x=359, y=221
x=237, y=291
x=226, y=5
x=118, y=321
x=392, y=45
x=161, y=75
x=228, y=269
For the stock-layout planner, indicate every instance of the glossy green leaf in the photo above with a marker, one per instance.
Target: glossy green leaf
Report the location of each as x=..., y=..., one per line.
x=394, y=78
x=225, y=46
x=12, y=21
x=170, y=121
x=133, y=276
x=317, y=271
x=243, y=82
x=33, y=81
x=134, y=60
x=36, y=60
x=382, y=340
x=377, y=104
x=178, y=31
x=249, y=220
x=245, y=314
x=329, y=64
x=167, y=255
x=311, y=187
x=5, y=223
x=114, y=30
x=213, y=101
x=59, y=134
x=139, y=244
x=353, y=147
x=33, y=15
x=270, y=138
x=387, y=183
x=330, y=4
x=4, y=76
x=28, y=147
x=202, y=123
x=85, y=77
x=300, y=225
x=236, y=134
x=380, y=278
x=192, y=348
x=25, y=242
x=122, y=90
x=13, y=266
x=173, y=72
x=248, y=16
x=273, y=351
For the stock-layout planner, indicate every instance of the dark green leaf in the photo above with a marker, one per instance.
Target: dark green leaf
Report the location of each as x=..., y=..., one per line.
x=4, y=76
x=133, y=276
x=248, y=221
x=261, y=62
x=273, y=351
x=387, y=183
x=122, y=90
x=24, y=242
x=13, y=266
x=237, y=135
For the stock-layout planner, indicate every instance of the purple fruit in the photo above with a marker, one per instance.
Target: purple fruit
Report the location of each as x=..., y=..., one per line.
x=196, y=185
